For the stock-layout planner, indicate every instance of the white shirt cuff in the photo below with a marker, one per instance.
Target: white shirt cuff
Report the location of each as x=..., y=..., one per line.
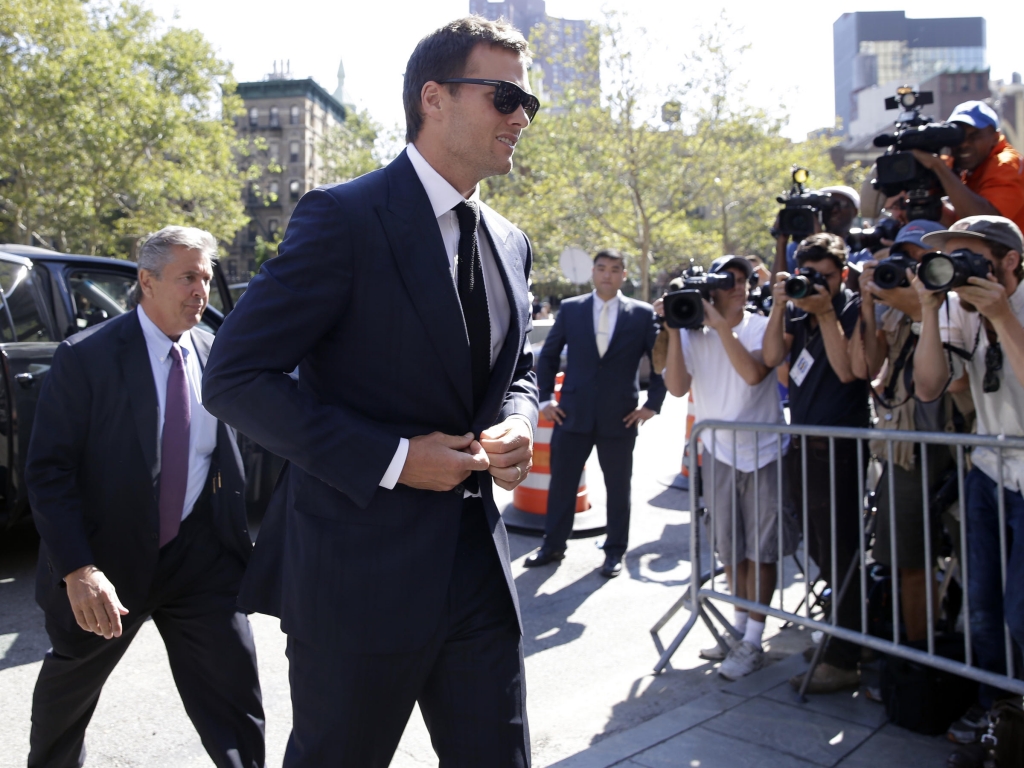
x=390, y=479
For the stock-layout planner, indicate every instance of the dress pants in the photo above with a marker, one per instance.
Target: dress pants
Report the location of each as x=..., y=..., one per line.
x=569, y=453
x=209, y=646
x=849, y=516
x=350, y=709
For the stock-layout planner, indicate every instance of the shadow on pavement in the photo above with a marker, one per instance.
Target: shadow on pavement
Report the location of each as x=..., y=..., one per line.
x=671, y=498
x=546, y=616
x=23, y=637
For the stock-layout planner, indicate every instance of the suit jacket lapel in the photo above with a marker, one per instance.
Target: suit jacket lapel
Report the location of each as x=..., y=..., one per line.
x=415, y=240
x=515, y=290
x=138, y=377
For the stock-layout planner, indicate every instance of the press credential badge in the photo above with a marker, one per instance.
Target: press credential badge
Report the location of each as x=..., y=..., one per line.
x=800, y=368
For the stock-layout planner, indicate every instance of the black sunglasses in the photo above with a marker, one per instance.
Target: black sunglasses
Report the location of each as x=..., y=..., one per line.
x=993, y=364
x=507, y=96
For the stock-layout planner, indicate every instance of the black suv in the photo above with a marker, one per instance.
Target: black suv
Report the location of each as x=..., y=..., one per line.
x=47, y=297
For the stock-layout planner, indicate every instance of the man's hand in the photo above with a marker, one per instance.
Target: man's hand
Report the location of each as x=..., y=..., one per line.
x=929, y=160
x=439, y=462
x=638, y=417
x=552, y=412
x=988, y=295
x=865, y=281
x=819, y=303
x=94, y=602
x=509, y=448
x=928, y=299
x=713, y=318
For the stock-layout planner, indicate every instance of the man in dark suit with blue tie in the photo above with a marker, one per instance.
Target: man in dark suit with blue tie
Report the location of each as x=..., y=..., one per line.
x=607, y=334
x=383, y=551
x=138, y=495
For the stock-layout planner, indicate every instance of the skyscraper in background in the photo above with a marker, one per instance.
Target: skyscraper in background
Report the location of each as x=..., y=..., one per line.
x=875, y=50
x=559, y=49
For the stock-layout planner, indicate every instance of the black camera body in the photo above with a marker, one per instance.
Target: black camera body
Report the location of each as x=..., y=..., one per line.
x=898, y=169
x=871, y=237
x=892, y=271
x=801, y=284
x=801, y=209
x=943, y=272
x=685, y=309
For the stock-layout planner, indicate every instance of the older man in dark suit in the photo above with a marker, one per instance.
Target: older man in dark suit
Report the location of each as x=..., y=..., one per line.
x=384, y=555
x=138, y=496
x=606, y=334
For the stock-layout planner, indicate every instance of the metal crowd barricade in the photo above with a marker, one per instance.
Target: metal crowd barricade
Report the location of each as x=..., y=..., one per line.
x=701, y=589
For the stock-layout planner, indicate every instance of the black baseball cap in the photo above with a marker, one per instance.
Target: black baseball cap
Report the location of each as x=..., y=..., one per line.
x=740, y=262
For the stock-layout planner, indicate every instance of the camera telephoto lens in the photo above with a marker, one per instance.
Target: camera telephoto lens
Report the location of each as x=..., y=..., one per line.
x=684, y=309
x=798, y=287
x=937, y=273
x=892, y=272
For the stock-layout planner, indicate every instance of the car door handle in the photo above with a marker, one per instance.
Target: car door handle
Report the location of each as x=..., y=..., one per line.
x=25, y=379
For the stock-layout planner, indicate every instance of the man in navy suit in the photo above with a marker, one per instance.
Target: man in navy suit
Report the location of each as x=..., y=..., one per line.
x=607, y=334
x=138, y=495
x=383, y=552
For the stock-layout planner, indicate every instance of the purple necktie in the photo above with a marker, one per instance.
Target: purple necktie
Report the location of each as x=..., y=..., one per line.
x=174, y=449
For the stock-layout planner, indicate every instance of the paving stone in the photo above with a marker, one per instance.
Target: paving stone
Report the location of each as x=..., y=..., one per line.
x=897, y=746
x=797, y=731
x=621, y=746
x=701, y=747
x=846, y=705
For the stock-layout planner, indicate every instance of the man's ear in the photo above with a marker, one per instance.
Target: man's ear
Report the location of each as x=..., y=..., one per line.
x=1011, y=261
x=146, y=279
x=431, y=97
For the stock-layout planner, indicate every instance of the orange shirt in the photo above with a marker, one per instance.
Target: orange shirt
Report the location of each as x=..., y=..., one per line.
x=1000, y=180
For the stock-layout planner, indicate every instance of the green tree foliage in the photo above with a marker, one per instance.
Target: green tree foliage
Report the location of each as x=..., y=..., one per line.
x=112, y=127
x=605, y=169
x=351, y=149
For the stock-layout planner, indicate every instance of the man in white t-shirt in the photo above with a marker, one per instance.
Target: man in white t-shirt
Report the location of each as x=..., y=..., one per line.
x=722, y=362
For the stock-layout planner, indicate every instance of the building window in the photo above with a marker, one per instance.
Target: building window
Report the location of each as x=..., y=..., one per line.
x=294, y=189
x=253, y=230
x=293, y=152
x=293, y=117
x=275, y=117
x=274, y=151
x=254, y=117
x=273, y=188
x=272, y=227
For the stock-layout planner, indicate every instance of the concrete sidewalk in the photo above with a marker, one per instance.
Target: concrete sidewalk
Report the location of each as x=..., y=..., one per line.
x=757, y=721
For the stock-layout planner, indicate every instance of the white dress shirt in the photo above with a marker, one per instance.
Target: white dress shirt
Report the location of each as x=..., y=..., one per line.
x=202, y=437
x=443, y=198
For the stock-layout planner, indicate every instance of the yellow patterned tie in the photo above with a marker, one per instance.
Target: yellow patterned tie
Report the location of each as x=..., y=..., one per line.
x=602, y=330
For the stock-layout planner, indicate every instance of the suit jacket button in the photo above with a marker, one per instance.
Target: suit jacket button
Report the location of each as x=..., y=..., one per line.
x=459, y=489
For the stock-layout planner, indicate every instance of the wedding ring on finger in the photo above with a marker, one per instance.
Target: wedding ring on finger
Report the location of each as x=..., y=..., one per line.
x=519, y=473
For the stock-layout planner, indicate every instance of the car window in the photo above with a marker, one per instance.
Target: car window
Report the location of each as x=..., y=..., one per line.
x=16, y=281
x=99, y=295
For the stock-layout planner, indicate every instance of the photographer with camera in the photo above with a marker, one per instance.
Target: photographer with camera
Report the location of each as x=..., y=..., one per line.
x=987, y=177
x=886, y=337
x=721, y=359
x=829, y=209
x=979, y=274
x=813, y=317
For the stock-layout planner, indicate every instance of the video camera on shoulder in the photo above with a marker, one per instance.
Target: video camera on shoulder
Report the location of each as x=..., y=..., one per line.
x=801, y=283
x=759, y=297
x=685, y=309
x=898, y=169
x=802, y=209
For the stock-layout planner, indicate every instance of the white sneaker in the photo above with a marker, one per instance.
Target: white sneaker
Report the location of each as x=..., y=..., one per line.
x=715, y=652
x=741, y=661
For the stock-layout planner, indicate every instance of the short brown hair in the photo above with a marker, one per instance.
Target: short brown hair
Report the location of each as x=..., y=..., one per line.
x=611, y=253
x=822, y=245
x=442, y=55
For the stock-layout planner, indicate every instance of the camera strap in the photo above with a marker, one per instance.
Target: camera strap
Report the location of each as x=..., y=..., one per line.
x=904, y=364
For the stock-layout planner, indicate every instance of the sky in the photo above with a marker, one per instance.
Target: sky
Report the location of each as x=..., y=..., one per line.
x=787, y=69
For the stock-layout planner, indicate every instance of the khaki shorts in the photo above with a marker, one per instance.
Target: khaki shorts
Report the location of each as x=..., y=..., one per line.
x=764, y=545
